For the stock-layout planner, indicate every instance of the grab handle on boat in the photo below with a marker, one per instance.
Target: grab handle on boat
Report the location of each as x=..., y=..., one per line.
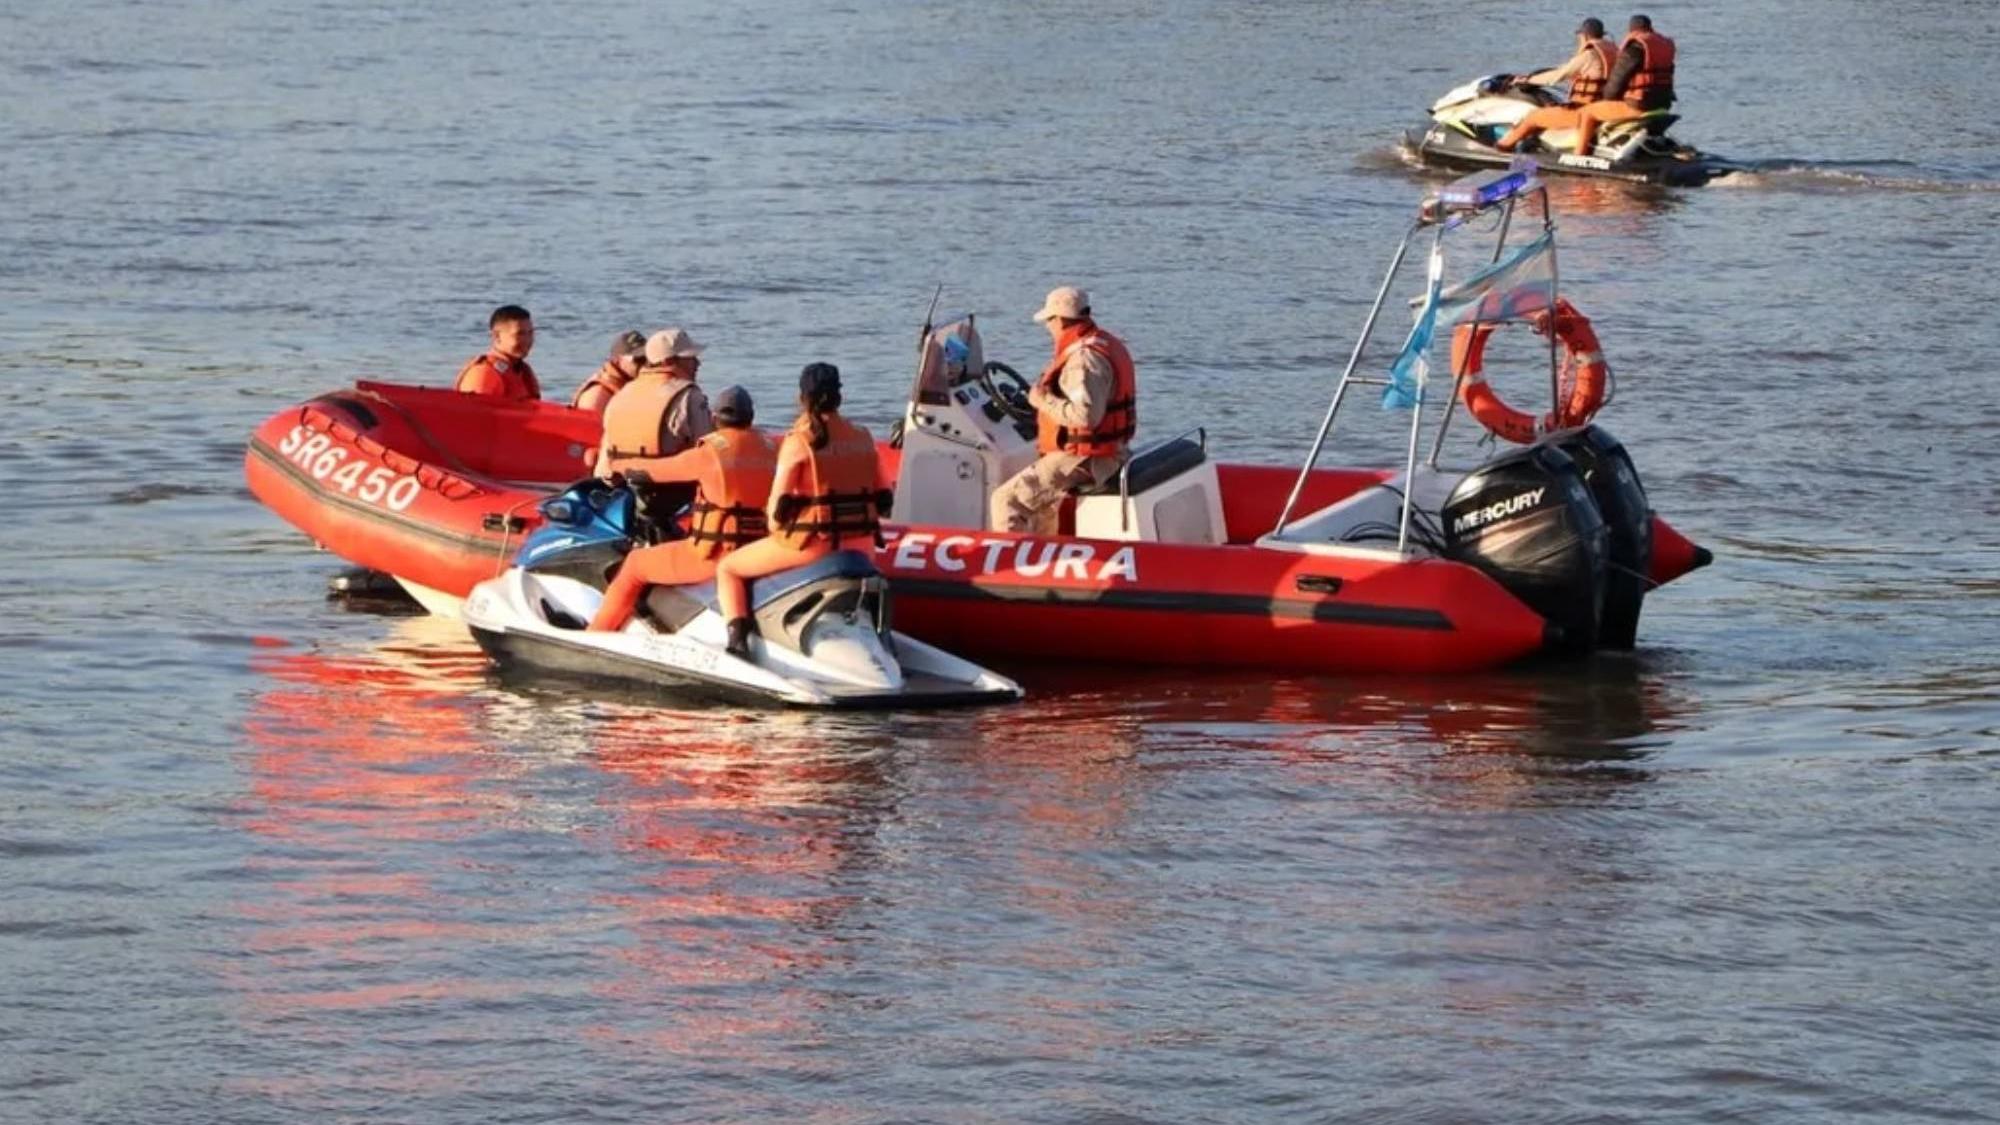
x=1125, y=472
x=1318, y=583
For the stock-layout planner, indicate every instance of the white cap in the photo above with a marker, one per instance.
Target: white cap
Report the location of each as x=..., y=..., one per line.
x=670, y=343
x=1066, y=301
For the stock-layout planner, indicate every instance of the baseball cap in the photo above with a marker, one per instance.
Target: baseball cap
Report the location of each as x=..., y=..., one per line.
x=817, y=378
x=1066, y=301
x=733, y=405
x=671, y=343
x=627, y=343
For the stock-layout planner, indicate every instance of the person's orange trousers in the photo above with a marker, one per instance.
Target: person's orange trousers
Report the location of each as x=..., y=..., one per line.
x=765, y=556
x=665, y=564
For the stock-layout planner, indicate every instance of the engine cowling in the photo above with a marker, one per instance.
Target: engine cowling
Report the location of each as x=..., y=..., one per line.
x=1527, y=519
x=1621, y=500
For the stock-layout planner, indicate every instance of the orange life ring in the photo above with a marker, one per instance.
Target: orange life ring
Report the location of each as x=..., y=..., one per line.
x=1582, y=360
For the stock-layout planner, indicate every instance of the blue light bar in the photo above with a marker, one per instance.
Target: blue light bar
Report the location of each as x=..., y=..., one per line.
x=1484, y=189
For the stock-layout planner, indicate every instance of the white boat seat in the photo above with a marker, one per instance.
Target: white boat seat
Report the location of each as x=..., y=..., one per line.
x=1167, y=493
x=1153, y=467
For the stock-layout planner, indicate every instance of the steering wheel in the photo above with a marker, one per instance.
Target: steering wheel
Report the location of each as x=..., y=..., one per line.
x=1012, y=395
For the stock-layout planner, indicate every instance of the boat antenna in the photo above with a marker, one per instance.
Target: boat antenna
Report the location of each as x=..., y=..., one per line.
x=928, y=314
x=917, y=382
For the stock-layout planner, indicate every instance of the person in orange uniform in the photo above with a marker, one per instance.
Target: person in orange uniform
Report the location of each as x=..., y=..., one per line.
x=1086, y=411
x=1586, y=72
x=503, y=370
x=731, y=470
x=662, y=411
x=1641, y=81
x=627, y=352
x=824, y=497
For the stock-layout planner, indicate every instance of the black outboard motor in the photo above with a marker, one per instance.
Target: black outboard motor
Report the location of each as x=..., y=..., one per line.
x=1621, y=500
x=1526, y=519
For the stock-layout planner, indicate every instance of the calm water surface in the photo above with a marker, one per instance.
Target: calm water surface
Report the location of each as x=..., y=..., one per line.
x=263, y=858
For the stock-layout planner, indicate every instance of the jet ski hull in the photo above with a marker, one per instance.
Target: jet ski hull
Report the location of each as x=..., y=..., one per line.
x=534, y=623
x=1443, y=147
x=540, y=654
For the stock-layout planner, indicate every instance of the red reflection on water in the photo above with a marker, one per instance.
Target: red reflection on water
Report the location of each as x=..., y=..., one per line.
x=378, y=775
x=727, y=867
x=366, y=776
x=749, y=829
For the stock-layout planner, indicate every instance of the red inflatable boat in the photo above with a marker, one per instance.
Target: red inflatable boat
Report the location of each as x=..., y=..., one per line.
x=1179, y=560
x=438, y=489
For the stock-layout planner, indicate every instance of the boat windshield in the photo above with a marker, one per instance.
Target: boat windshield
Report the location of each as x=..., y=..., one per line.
x=952, y=355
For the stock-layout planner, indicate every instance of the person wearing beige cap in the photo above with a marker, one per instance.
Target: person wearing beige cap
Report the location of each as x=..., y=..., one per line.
x=627, y=350
x=661, y=411
x=1585, y=71
x=1086, y=411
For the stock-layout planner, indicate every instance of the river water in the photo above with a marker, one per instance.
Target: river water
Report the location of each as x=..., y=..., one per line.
x=265, y=858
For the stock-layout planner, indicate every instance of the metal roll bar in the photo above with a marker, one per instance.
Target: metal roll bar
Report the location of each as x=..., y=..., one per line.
x=1452, y=207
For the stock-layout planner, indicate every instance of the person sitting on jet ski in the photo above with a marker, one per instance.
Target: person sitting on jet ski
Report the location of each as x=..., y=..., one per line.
x=827, y=495
x=1641, y=82
x=731, y=470
x=1586, y=71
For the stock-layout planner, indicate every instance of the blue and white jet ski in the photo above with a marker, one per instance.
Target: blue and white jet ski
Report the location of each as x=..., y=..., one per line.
x=823, y=637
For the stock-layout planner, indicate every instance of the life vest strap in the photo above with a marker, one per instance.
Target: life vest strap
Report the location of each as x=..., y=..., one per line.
x=737, y=525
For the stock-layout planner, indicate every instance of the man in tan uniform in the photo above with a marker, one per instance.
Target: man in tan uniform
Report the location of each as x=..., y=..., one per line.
x=662, y=411
x=1086, y=412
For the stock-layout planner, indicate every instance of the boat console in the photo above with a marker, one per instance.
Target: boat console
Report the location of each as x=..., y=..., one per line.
x=968, y=428
x=962, y=434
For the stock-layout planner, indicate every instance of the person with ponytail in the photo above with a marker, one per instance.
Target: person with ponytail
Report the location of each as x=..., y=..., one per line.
x=826, y=496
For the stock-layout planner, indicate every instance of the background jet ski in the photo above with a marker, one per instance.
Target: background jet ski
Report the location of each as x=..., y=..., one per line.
x=1467, y=121
x=823, y=629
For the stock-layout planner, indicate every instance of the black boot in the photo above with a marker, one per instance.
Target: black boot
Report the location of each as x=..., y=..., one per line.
x=740, y=629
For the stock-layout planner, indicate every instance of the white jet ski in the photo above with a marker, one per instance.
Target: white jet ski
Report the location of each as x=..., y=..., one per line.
x=822, y=640
x=1467, y=120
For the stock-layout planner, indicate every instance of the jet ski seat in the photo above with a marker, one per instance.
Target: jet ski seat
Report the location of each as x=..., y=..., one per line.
x=840, y=564
x=672, y=607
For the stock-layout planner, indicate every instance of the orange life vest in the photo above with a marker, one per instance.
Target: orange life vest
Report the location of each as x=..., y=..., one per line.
x=636, y=418
x=517, y=379
x=1585, y=86
x=733, y=516
x=609, y=379
x=1652, y=85
x=1121, y=415
x=836, y=494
